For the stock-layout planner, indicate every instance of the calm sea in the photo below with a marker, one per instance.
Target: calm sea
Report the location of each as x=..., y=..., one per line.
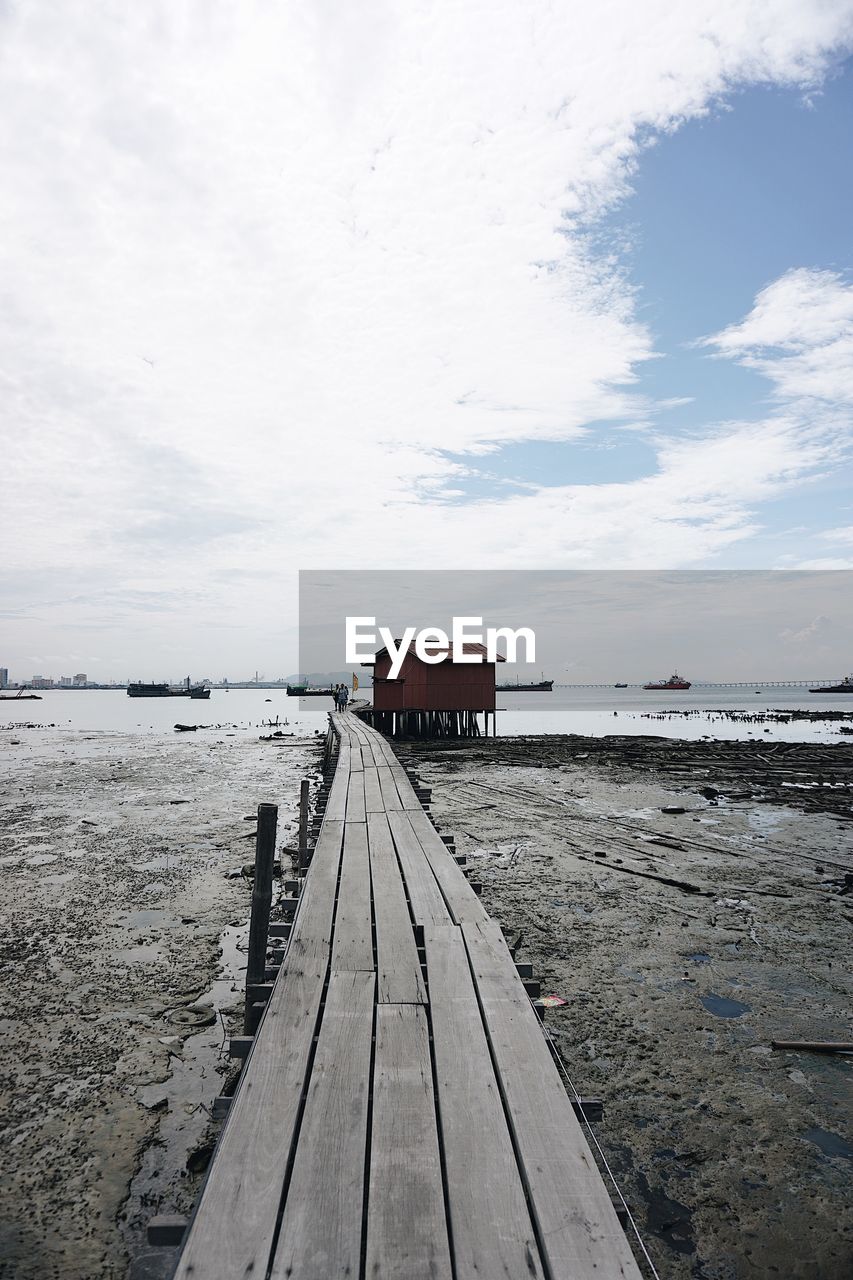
x=718, y=713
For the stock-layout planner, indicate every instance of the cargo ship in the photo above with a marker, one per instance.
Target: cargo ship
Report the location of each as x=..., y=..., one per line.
x=138, y=689
x=305, y=691
x=537, y=686
x=846, y=686
x=674, y=682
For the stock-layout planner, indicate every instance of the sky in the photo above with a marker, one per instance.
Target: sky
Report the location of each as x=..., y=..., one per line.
x=597, y=626
x=491, y=286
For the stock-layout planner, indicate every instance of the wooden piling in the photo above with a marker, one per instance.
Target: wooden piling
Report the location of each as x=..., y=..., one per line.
x=303, y=824
x=261, y=900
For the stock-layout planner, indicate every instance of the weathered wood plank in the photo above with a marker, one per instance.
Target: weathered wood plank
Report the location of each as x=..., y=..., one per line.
x=336, y=806
x=428, y=906
x=390, y=795
x=373, y=801
x=355, y=798
x=233, y=1228
x=406, y=1223
x=352, y=946
x=358, y=729
x=492, y=1231
x=460, y=897
x=400, y=980
x=577, y=1223
x=322, y=1223
x=405, y=790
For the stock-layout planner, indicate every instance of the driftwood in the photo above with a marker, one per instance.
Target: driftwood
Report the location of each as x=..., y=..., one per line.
x=815, y=1046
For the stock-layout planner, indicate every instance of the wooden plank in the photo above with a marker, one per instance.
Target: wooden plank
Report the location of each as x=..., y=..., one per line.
x=322, y=1222
x=492, y=1230
x=358, y=729
x=400, y=980
x=390, y=794
x=352, y=946
x=406, y=1223
x=233, y=1227
x=428, y=906
x=577, y=1224
x=383, y=749
x=336, y=806
x=460, y=897
x=355, y=798
x=405, y=790
x=373, y=801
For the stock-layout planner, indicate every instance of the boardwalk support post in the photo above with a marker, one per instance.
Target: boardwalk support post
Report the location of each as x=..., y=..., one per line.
x=303, y=824
x=261, y=900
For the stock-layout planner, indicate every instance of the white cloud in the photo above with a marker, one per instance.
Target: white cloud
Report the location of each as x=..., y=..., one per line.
x=349, y=241
x=799, y=334
x=841, y=537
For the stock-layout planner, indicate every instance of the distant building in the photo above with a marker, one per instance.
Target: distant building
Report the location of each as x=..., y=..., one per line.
x=4, y=677
x=65, y=682
x=42, y=682
x=81, y=679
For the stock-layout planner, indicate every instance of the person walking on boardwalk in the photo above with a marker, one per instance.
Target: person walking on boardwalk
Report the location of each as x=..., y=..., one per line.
x=335, y=689
x=343, y=697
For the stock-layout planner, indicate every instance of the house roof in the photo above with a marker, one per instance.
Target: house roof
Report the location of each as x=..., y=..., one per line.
x=467, y=647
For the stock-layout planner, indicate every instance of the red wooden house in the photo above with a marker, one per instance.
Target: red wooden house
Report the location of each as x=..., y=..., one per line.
x=433, y=699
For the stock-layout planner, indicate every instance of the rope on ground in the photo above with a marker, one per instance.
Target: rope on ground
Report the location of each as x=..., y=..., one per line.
x=558, y=1058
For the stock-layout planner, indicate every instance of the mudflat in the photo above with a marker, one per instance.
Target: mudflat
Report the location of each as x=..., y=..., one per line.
x=684, y=943
x=124, y=915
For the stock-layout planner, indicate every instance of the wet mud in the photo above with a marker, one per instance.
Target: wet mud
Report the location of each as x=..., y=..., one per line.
x=684, y=943
x=124, y=913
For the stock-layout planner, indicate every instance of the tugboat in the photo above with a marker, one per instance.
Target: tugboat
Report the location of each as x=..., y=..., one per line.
x=846, y=686
x=138, y=689
x=619, y=685
x=674, y=682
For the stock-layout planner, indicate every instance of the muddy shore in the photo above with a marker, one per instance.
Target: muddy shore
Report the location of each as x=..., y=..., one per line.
x=124, y=915
x=684, y=943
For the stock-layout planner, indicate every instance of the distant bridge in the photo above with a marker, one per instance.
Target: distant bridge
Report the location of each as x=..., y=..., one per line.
x=760, y=685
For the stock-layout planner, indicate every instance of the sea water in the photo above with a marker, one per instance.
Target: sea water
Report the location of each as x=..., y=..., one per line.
x=716, y=713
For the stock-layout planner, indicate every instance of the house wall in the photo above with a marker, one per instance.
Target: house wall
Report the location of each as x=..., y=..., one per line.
x=447, y=686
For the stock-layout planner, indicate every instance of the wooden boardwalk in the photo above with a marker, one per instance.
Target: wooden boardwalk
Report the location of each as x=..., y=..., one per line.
x=399, y=1115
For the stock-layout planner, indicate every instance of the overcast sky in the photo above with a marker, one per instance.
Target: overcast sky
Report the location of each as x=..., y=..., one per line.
x=595, y=627
x=315, y=285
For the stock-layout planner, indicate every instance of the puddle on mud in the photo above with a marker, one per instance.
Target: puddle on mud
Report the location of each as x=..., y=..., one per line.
x=699, y=957
x=160, y=862
x=144, y=953
x=831, y=1144
x=722, y=1007
x=145, y=916
x=765, y=821
x=669, y=1220
x=184, y=1100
